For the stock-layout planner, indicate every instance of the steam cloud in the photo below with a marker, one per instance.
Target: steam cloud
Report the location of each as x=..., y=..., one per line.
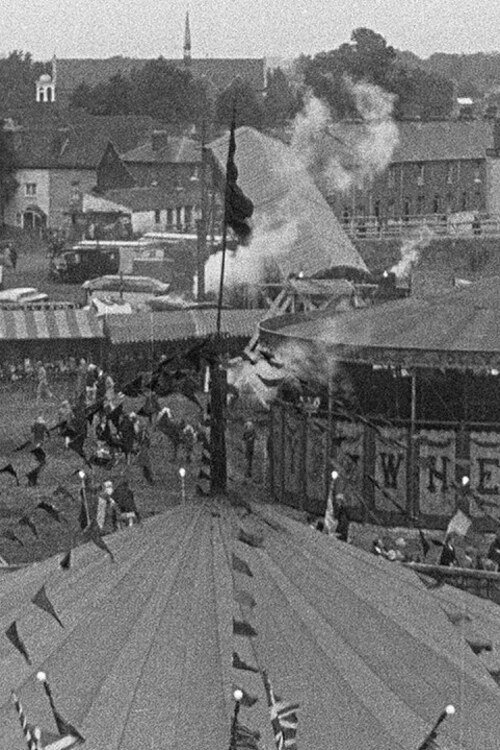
x=338, y=157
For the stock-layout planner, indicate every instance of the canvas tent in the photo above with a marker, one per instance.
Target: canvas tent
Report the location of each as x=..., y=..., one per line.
x=290, y=214
x=144, y=659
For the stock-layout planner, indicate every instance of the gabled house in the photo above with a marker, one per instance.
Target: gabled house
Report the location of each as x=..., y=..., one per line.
x=57, y=163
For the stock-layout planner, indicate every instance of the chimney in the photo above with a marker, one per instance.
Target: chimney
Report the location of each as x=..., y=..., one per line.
x=159, y=139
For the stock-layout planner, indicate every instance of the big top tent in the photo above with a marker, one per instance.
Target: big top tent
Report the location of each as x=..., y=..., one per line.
x=144, y=660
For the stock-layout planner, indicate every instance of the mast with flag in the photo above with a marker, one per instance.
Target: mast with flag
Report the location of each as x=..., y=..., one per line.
x=238, y=209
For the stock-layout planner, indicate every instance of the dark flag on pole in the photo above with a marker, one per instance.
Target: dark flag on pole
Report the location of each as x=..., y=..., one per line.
x=16, y=641
x=42, y=601
x=65, y=729
x=238, y=208
x=9, y=469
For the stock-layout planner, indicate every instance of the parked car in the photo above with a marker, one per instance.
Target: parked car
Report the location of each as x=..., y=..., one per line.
x=21, y=296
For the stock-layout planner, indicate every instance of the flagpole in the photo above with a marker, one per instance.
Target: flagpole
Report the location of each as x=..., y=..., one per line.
x=218, y=462
x=237, y=695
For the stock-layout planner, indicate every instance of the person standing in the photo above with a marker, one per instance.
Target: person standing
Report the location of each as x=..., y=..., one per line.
x=124, y=507
x=39, y=431
x=249, y=437
x=42, y=390
x=104, y=502
x=343, y=520
x=128, y=434
x=13, y=256
x=448, y=555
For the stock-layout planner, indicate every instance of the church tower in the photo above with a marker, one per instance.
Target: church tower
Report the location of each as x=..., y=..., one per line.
x=187, y=42
x=46, y=85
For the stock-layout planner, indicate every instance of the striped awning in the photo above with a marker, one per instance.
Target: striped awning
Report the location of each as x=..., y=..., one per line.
x=181, y=325
x=49, y=324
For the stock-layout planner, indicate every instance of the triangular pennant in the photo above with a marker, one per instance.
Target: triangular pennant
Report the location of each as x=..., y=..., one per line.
x=42, y=601
x=16, y=641
x=200, y=491
x=32, y=476
x=253, y=540
x=23, y=446
x=203, y=475
x=50, y=509
x=93, y=534
x=65, y=563
x=240, y=664
x=39, y=454
x=9, y=469
x=9, y=534
x=240, y=627
x=240, y=566
x=243, y=598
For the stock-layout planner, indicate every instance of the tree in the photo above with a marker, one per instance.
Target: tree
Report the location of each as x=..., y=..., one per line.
x=249, y=105
x=110, y=98
x=282, y=101
x=18, y=76
x=8, y=183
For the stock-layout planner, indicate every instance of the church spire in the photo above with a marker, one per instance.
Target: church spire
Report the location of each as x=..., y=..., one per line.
x=187, y=41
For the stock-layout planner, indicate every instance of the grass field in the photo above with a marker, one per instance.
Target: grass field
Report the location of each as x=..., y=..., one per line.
x=18, y=409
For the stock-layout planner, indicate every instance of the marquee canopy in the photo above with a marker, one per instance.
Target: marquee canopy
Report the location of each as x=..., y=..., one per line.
x=144, y=659
x=18, y=325
x=455, y=329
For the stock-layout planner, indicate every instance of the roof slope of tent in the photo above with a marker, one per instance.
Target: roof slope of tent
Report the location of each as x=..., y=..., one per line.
x=458, y=328
x=145, y=655
x=287, y=205
x=176, y=325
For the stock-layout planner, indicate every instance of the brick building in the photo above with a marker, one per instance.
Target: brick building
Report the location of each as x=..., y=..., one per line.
x=437, y=169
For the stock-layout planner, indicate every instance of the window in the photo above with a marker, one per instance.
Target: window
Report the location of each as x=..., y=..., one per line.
x=449, y=178
x=477, y=174
x=157, y=216
x=436, y=204
x=391, y=177
x=30, y=188
x=178, y=216
x=188, y=215
x=420, y=174
x=407, y=209
x=194, y=174
x=170, y=217
x=465, y=201
x=421, y=204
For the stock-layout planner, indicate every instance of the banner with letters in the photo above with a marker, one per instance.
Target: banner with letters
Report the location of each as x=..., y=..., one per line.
x=485, y=474
x=391, y=448
x=436, y=472
x=348, y=459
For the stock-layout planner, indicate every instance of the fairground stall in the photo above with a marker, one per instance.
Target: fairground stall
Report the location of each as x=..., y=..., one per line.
x=402, y=399
x=49, y=335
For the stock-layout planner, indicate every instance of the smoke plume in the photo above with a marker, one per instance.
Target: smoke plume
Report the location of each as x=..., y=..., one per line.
x=339, y=156
x=410, y=252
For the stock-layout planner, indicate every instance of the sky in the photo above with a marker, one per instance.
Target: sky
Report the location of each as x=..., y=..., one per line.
x=242, y=28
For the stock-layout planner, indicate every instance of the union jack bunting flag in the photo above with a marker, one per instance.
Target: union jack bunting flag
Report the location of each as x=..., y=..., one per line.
x=283, y=718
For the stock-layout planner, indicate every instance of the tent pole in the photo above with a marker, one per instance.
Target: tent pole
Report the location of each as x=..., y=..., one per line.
x=413, y=417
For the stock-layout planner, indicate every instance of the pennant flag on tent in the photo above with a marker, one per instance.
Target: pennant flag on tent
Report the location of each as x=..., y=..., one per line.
x=240, y=566
x=39, y=454
x=9, y=469
x=16, y=641
x=200, y=491
x=93, y=534
x=50, y=509
x=65, y=729
x=245, y=738
x=253, y=540
x=237, y=207
x=42, y=601
x=8, y=534
x=29, y=737
x=283, y=718
x=246, y=699
x=459, y=524
x=240, y=627
x=203, y=475
x=65, y=563
x=425, y=544
x=32, y=476
x=23, y=446
x=26, y=521
x=244, y=598
x=239, y=664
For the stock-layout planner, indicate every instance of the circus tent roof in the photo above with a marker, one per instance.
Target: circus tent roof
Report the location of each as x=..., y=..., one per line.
x=287, y=206
x=458, y=329
x=144, y=659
